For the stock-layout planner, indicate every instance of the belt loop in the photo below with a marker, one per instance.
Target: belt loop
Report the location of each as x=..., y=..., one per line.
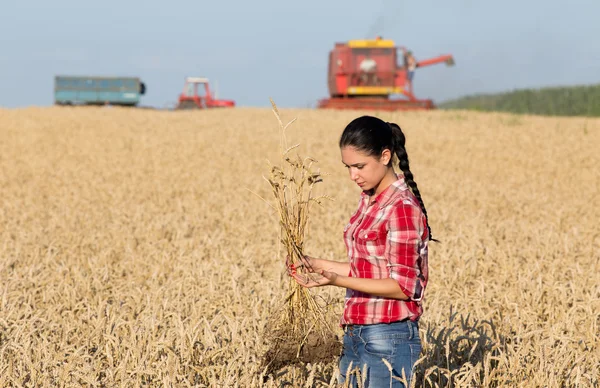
x=411, y=329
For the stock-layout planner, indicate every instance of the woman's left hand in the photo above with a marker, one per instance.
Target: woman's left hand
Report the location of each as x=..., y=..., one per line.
x=325, y=278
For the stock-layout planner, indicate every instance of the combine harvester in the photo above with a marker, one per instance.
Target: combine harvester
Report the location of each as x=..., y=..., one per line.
x=190, y=98
x=364, y=74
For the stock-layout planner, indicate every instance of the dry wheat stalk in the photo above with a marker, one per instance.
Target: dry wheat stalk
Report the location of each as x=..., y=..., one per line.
x=292, y=183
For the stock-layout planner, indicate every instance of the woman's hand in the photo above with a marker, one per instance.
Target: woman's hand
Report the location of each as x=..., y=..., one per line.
x=323, y=278
x=312, y=274
x=309, y=264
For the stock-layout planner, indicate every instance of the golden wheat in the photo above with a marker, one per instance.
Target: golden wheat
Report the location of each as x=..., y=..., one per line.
x=132, y=252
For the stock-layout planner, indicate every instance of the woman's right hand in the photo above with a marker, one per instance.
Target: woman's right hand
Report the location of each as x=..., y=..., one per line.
x=310, y=264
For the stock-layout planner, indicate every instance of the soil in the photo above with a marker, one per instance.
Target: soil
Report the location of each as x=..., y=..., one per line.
x=283, y=351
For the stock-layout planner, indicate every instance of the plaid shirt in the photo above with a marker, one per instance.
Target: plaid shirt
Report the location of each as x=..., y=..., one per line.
x=387, y=237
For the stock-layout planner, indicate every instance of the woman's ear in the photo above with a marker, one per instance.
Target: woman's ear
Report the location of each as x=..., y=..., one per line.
x=386, y=156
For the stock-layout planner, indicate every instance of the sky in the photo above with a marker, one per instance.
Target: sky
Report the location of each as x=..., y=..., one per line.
x=254, y=50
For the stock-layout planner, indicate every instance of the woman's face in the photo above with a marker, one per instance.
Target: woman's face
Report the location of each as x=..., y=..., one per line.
x=365, y=170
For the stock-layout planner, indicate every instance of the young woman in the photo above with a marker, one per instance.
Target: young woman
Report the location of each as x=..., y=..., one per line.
x=387, y=244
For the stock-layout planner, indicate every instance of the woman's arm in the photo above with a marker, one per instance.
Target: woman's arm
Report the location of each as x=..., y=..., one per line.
x=313, y=264
x=337, y=267
x=387, y=288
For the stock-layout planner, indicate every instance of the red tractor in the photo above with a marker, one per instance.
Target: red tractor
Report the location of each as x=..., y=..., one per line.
x=190, y=99
x=364, y=74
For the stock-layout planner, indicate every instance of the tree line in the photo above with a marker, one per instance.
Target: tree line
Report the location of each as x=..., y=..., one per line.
x=555, y=101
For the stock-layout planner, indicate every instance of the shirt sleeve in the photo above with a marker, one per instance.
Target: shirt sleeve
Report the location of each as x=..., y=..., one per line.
x=406, y=252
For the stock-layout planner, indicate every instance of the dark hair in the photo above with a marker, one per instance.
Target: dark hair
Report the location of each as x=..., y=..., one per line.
x=372, y=135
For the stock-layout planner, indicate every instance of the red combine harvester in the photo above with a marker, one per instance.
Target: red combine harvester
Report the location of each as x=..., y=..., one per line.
x=364, y=74
x=190, y=99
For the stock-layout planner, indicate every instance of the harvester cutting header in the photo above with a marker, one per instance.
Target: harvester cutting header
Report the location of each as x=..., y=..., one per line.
x=364, y=74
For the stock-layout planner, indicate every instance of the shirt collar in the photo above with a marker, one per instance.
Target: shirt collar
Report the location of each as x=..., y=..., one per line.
x=389, y=194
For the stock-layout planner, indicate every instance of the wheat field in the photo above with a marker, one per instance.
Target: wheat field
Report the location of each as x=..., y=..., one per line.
x=135, y=249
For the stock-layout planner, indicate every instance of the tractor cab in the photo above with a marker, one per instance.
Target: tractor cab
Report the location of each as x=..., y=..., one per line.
x=373, y=62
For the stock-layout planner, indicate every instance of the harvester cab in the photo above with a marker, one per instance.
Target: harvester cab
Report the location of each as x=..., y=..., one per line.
x=365, y=74
x=197, y=94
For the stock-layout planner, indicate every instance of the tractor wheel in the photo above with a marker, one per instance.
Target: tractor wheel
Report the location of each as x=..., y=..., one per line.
x=187, y=105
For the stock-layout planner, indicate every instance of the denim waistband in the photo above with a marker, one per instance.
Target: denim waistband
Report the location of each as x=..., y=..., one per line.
x=413, y=326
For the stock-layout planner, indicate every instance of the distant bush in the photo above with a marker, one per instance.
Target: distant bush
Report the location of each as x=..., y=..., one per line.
x=555, y=101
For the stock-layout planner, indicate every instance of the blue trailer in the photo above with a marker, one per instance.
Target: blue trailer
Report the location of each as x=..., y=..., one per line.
x=81, y=90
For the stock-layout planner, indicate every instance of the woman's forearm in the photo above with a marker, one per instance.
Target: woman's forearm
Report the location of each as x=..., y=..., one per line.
x=387, y=288
x=337, y=267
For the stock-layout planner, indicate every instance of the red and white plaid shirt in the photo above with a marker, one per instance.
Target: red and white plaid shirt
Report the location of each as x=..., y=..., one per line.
x=387, y=237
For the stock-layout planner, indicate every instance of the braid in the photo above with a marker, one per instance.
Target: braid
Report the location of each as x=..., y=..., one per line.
x=404, y=165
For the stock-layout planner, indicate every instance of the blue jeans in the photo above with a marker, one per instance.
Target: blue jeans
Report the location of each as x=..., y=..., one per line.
x=366, y=345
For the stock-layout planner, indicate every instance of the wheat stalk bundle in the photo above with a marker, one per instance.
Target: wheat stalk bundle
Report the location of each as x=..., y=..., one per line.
x=300, y=330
